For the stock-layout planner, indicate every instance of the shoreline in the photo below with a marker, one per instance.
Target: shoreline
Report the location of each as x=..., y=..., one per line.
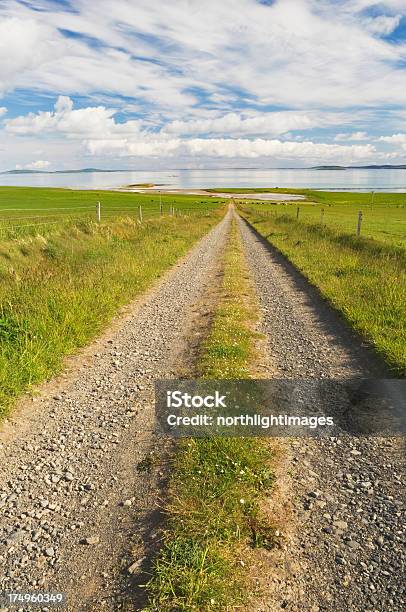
x=268, y=195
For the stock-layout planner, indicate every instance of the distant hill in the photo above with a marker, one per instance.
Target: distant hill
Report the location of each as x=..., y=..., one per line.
x=371, y=167
x=80, y=171
x=94, y=170
x=328, y=168
x=22, y=172
x=383, y=167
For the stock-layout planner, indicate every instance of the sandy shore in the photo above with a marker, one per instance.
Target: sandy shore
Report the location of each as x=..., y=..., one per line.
x=268, y=195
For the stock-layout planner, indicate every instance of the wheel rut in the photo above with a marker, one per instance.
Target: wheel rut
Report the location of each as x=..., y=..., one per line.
x=78, y=494
x=344, y=547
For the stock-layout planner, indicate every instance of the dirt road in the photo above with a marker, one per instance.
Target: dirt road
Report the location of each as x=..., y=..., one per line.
x=76, y=494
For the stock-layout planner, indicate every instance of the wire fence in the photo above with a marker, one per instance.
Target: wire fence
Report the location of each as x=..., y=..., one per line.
x=387, y=222
x=321, y=220
x=13, y=222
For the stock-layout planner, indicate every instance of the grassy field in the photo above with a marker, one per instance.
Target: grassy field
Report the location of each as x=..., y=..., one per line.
x=22, y=209
x=213, y=518
x=363, y=278
x=61, y=284
x=383, y=215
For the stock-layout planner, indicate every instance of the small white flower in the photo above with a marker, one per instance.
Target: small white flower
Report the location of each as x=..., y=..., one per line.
x=242, y=501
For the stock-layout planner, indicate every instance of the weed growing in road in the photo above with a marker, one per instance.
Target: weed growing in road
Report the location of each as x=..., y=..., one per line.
x=229, y=350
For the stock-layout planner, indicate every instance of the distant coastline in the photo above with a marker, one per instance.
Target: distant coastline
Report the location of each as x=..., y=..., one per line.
x=383, y=179
x=98, y=170
x=80, y=171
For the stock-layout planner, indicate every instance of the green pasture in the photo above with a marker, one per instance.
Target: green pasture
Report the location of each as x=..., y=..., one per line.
x=61, y=281
x=22, y=208
x=383, y=214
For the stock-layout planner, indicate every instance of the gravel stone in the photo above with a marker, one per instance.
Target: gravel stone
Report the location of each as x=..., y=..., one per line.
x=91, y=540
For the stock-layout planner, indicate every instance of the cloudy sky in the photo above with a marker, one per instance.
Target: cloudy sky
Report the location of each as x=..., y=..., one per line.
x=192, y=83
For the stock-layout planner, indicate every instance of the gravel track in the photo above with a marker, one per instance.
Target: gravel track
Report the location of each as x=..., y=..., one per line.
x=72, y=503
x=346, y=550
x=75, y=513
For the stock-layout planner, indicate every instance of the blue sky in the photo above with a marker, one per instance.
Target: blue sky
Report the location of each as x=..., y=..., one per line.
x=124, y=84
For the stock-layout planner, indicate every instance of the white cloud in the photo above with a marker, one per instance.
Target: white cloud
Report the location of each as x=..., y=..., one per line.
x=38, y=165
x=254, y=123
x=100, y=122
x=352, y=136
x=383, y=24
x=64, y=119
x=230, y=148
x=3, y=110
x=162, y=53
x=101, y=135
x=201, y=78
x=395, y=139
x=26, y=44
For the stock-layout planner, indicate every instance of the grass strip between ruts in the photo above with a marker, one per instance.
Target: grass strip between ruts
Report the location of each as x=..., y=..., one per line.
x=213, y=517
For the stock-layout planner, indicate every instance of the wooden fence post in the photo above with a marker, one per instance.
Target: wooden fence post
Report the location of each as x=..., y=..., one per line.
x=322, y=216
x=140, y=214
x=98, y=212
x=297, y=212
x=359, y=223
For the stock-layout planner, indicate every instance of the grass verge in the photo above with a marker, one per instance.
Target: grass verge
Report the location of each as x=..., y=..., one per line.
x=364, y=279
x=214, y=521
x=60, y=289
